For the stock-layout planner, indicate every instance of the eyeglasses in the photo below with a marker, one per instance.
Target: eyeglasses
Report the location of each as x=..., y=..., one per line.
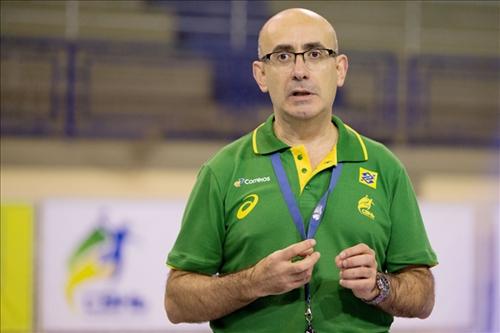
x=287, y=58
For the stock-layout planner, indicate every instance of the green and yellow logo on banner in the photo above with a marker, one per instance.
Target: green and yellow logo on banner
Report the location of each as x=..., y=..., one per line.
x=16, y=266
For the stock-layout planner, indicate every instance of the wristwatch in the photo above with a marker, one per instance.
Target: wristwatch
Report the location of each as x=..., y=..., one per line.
x=384, y=286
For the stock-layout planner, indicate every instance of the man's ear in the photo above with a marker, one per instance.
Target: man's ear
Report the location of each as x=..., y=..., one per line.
x=260, y=75
x=342, y=65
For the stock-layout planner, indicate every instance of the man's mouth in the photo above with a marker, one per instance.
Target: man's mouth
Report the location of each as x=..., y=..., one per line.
x=301, y=93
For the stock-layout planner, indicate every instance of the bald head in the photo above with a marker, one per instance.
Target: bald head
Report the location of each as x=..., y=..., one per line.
x=291, y=25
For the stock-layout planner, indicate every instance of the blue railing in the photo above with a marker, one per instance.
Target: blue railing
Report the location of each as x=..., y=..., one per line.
x=473, y=101
x=424, y=117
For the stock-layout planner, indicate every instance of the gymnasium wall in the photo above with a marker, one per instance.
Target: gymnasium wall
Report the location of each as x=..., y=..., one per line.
x=109, y=108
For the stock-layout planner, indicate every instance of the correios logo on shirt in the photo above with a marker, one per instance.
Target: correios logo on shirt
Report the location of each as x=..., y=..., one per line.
x=247, y=181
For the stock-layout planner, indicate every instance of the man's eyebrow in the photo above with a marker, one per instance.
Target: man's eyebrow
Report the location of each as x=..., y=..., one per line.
x=290, y=48
x=314, y=45
x=283, y=47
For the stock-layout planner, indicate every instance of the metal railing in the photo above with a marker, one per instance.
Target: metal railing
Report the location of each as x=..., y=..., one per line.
x=49, y=89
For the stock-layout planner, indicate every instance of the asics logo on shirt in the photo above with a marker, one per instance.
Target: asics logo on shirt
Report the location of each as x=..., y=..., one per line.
x=247, y=206
x=364, y=206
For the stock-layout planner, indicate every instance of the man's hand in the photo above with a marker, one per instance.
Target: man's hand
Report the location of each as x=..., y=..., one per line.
x=277, y=273
x=192, y=297
x=358, y=270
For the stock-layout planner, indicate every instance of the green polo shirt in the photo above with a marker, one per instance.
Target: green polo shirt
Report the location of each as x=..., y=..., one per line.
x=236, y=215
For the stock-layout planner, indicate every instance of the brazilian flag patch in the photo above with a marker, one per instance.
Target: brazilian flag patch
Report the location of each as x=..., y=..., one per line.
x=368, y=177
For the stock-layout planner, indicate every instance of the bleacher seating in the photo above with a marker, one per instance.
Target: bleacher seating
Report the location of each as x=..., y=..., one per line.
x=172, y=68
x=105, y=20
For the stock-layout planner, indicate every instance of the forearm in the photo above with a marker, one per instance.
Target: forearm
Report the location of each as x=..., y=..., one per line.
x=412, y=293
x=192, y=297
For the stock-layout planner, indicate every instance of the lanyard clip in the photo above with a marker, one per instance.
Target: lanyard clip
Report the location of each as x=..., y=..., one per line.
x=309, y=317
x=308, y=314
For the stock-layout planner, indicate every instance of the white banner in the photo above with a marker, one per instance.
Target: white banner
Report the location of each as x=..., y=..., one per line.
x=496, y=278
x=102, y=264
x=451, y=230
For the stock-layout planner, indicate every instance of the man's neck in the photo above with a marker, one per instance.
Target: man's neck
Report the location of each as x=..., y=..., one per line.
x=318, y=136
x=296, y=132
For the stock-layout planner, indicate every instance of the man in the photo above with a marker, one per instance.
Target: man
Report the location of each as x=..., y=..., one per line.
x=303, y=224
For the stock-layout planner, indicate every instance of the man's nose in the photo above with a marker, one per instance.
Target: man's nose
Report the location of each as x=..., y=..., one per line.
x=300, y=70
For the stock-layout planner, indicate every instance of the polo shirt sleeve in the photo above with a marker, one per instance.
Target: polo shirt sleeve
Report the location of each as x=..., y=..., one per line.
x=198, y=247
x=408, y=244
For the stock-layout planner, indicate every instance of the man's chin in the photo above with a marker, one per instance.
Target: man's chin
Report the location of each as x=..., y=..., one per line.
x=303, y=113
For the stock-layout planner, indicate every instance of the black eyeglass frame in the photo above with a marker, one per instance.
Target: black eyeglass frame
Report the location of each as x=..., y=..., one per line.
x=331, y=53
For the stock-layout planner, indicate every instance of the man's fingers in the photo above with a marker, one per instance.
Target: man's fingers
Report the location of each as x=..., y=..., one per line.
x=358, y=255
x=297, y=249
x=359, y=284
x=357, y=273
x=306, y=253
x=306, y=263
x=358, y=261
x=355, y=250
x=358, y=269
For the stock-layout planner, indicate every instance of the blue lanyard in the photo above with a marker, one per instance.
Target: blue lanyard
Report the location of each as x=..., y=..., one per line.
x=314, y=221
x=292, y=203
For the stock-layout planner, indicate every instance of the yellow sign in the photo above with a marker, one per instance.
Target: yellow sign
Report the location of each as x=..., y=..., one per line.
x=16, y=263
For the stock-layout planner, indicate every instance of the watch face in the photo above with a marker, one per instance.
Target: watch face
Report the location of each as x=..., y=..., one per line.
x=382, y=282
x=383, y=285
